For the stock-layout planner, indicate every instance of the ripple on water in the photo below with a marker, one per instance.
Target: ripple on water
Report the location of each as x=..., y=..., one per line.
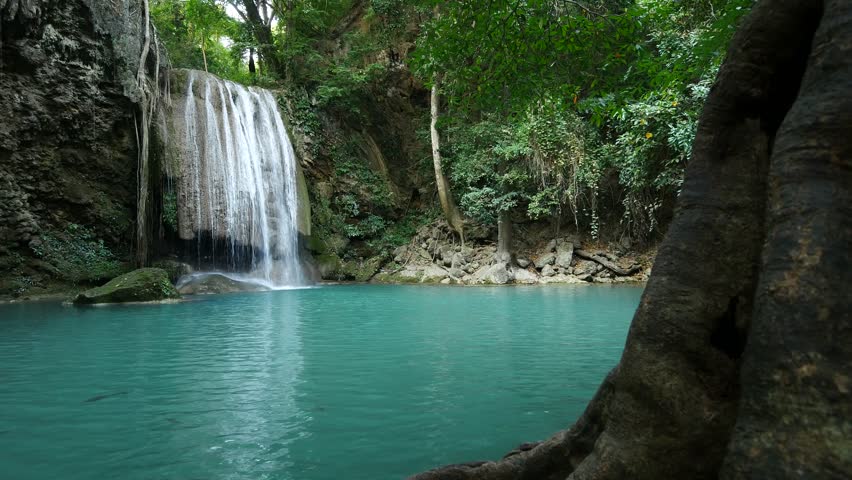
x=348, y=382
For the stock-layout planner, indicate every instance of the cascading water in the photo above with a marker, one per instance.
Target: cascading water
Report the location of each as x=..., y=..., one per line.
x=237, y=184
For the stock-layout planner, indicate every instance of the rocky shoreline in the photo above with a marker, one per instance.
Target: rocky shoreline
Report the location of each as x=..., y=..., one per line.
x=434, y=256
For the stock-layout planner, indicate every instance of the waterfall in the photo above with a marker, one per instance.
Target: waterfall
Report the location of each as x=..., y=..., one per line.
x=237, y=185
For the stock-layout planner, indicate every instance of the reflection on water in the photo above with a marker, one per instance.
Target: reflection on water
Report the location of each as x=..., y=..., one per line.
x=335, y=382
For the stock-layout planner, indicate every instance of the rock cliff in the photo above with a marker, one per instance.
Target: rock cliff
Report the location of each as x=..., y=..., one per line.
x=67, y=138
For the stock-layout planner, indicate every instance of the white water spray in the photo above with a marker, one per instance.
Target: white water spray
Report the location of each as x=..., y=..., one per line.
x=238, y=182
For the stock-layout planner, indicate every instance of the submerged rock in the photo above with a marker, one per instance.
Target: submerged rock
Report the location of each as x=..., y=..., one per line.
x=143, y=285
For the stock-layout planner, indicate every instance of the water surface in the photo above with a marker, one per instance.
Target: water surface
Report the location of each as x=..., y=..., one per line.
x=354, y=382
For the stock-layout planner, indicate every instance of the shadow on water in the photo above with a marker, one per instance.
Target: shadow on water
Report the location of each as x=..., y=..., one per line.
x=98, y=398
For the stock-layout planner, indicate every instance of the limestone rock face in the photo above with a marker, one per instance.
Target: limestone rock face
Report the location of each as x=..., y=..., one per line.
x=67, y=137
x=143, y=285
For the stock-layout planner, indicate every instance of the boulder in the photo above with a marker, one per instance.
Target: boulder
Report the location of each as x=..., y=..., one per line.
x=564, y=254
x=143, y=285
x=213, y=283
x=176, y=269
x=456, y=273
x=432, y=274
x=458, y=260
x=328, y=265
x=547, y=258
x=586, y=267
x=361, y=270
x=547, y=271
x=523, y=263
x=525, y=276
x=495, y=274
x=445, y=281
x=551, y=246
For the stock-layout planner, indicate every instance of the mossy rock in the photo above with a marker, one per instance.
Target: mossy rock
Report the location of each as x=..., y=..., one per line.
x=332, y=267
x=215, y=283
x=329, y=265
x=394, y=278
x=361, y=271
x=143, y=285
x=174, y=268
x=331, y=245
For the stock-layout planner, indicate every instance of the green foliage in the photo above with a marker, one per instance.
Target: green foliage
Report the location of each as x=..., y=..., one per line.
x=78, y=255
x=170, y=211
x=194, y=29
x=581, y=112
x=544, y=162
x=344, y=88
x=584, y=91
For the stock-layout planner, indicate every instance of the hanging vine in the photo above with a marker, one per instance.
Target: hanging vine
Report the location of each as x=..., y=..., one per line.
x=148, y=90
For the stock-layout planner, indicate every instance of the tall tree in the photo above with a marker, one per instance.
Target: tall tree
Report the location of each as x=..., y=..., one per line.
x=260, y=16
x=448, y=204
x=207, y=22
x=736, y=364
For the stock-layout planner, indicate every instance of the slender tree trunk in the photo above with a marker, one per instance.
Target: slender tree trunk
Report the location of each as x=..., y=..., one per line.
x=737, y=361
x=448, y=205
x=204, y=56
x=504, y=238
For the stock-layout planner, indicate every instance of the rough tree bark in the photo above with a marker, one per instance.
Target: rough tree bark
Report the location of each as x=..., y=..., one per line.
x=504, y=238
x=795, y=413
x=448, y=205
x=737, y=360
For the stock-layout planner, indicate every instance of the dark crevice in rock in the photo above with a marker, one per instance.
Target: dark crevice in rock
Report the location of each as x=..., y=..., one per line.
x=727, y=337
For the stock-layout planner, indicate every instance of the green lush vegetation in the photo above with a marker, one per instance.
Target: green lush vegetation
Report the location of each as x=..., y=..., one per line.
x=76, y=255
x=580, y=113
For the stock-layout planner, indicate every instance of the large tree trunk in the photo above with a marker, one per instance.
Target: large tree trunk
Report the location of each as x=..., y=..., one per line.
x=263, y=34
x=448, y=205
x=737, y=360
x=795, y=412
